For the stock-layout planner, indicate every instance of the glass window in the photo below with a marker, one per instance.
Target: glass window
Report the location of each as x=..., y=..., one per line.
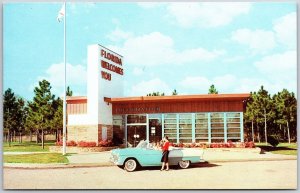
x=217, y=127
x=233, y=126
x=170, y=127
x=155, y=130
x=233, y=115
x=185, y=128
x=170, y=116
x=118, y=129
x=154, y=116
x=136, y=119
x=201, y=127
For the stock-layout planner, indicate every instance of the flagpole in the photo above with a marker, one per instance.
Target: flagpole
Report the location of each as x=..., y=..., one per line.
x=64, y=102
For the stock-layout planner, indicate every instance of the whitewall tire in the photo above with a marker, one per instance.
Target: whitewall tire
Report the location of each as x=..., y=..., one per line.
x=184, y=164
x=130, y=165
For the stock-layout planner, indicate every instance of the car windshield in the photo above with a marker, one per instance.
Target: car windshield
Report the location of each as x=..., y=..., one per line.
x=142, y=144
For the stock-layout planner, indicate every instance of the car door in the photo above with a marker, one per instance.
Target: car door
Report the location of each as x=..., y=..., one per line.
x=151, y=157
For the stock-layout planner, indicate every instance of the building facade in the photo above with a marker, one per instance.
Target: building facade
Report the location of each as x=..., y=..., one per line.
x=105, y=114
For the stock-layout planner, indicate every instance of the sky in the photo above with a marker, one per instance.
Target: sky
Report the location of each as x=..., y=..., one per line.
x=184, y=46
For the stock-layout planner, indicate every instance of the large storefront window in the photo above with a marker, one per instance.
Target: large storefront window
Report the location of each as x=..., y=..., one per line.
x=118, y=129
x=233, y=126
x=131, y=119
x=135, y=134
x=136, y=129
x=185, y=128
x=181, y=127
x=217, y=127
x=201, y=127
x=170, y=129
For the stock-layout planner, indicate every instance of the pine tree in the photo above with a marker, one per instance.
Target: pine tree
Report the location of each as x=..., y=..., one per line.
x=40, y=111
x=69, y=92
x=10, y=106
x=286, y=108
x=212, y=90
x=265, y=108
x=174, y=92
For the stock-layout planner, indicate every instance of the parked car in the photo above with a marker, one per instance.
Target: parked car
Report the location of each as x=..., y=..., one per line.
x=146, y=155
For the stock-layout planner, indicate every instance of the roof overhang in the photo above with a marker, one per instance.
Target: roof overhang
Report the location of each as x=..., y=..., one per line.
x=179, y=98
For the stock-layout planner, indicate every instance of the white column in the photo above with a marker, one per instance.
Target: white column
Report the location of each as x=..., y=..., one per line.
x=209, y=127
x=242, y=126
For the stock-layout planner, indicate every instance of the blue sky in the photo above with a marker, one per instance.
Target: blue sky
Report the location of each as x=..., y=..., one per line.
x=184, y=46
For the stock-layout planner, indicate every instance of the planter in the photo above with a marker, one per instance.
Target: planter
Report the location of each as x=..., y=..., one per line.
x=75, y=149
x=236, y=149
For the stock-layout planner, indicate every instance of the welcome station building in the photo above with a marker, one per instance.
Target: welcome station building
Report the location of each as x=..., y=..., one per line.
x=105, y=114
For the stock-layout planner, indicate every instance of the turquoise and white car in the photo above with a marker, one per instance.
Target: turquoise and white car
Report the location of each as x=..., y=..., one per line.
x=145, y=155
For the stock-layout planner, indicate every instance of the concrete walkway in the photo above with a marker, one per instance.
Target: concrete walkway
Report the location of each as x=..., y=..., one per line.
x=98, y=159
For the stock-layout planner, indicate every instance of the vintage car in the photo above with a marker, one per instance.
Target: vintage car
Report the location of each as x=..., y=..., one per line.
x=146, y=155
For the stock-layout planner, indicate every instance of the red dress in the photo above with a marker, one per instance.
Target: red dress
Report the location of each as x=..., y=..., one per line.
x=165, y=155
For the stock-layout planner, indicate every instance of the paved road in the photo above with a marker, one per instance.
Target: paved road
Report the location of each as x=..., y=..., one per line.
x=227, y=175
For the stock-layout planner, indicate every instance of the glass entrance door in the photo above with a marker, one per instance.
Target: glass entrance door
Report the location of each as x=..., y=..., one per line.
x=136, y=133
x=155, y=133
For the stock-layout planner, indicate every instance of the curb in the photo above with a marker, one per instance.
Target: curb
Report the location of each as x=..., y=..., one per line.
x=56, y=166
x=250, y=160
x=107, y=164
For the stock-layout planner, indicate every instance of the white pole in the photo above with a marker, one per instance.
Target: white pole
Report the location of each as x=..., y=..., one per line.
x=64, y=102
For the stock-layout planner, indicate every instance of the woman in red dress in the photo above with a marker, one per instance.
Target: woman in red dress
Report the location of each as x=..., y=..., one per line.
x=165, y=155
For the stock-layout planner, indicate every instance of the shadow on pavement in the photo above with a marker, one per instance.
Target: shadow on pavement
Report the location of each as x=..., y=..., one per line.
x=270, y=149
x=198, y=165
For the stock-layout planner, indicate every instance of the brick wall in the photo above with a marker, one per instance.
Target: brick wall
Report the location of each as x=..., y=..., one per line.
x=109, y=131
x=83, y=133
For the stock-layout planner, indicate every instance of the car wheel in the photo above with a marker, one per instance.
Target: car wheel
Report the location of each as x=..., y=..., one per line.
x=184, y=164
x=130, y=165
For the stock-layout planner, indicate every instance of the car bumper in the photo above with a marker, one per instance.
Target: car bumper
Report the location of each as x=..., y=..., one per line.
x=115, y=160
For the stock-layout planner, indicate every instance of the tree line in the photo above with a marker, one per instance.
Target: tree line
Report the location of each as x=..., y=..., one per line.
x=274, y=116
x=42, y=115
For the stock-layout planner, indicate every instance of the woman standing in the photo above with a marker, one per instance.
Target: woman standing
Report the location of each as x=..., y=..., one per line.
x=165, y=155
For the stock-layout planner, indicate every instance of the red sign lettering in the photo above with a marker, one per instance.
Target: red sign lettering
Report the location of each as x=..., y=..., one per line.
x=106, y=76
x=111, y=57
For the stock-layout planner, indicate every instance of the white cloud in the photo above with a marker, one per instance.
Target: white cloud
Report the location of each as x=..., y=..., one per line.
x=231, y=84
x=145, y=87
x=225, y=82
x=286, y=29
x=257, y=40
x=158, y=49
x=206, y=14
x=279, y=66
x=197, y=83
x=246, y=85
x=118, y=35
x=201, y=84
x=233, y=59
x=283, y=32
x=76, y=76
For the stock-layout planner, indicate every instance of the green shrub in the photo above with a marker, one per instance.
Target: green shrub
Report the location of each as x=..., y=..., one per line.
x=273, y=141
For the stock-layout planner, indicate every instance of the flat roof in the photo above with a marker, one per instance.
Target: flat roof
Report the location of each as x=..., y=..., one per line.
x=75, y=98
x=172, y=98
x=178, y=98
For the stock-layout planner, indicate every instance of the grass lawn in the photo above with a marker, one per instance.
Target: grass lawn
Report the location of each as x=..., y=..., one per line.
x=43, y=158
x=282, y=148
x=27, y=147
